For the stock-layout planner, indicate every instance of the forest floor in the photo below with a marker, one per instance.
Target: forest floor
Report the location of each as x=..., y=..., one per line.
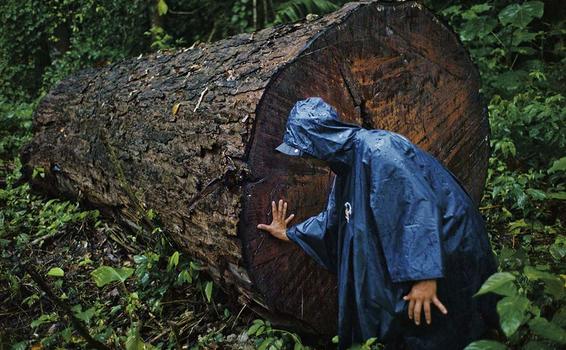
x=162, y=302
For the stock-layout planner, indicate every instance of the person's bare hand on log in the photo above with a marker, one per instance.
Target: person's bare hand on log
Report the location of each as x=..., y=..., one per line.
x=422, y=294
x=278, y=226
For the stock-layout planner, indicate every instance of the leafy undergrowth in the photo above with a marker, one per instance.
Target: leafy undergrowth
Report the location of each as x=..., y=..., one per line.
x=520, y=51
x=61, y=264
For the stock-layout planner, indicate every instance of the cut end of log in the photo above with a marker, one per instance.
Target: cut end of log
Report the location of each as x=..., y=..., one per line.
x=385, y=66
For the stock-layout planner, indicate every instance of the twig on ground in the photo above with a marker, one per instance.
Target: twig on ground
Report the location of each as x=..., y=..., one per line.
x=83, y=331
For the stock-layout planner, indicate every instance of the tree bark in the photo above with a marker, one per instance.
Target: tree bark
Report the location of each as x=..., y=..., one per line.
x=190, y=133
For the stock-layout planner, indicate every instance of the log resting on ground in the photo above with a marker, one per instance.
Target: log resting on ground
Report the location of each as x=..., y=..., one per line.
x=190, y=133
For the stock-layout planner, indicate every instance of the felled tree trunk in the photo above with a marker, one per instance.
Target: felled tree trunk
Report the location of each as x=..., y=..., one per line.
x=191, y=134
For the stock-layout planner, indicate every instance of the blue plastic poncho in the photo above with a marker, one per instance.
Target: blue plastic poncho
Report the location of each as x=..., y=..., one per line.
x=395, y=215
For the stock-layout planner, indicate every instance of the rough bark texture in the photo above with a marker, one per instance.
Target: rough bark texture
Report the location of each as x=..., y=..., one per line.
x=191, y=133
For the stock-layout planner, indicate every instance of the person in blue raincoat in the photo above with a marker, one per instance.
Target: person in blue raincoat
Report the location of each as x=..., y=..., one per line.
x=406, y=241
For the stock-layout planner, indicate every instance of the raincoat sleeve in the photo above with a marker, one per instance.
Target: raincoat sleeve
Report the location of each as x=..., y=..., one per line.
x=407, y=217
x=317, y=234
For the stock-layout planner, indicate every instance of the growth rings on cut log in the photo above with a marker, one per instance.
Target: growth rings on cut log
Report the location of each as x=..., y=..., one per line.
x=191, y=134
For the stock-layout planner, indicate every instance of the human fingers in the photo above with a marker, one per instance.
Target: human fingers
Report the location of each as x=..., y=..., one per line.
x=417, y=312
x=280, y=208
x=284, y=213
x=428, y=316
x=289, y=219
x=439, y=305
x=273, y=211
x=411, y=306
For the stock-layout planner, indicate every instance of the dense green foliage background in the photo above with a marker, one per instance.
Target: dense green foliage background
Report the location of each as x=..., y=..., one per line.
x=131, y=294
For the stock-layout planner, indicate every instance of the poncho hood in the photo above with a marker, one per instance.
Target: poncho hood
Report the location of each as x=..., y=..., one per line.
x=314, y=129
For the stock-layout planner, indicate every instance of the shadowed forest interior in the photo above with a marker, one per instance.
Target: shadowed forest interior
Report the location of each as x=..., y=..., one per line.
x=72, y=277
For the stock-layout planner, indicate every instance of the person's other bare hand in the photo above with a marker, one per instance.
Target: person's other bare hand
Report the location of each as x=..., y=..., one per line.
x=278, y=226
x=422, y=294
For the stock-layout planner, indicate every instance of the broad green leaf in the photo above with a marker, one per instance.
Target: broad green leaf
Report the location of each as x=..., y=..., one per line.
x=135, y=342
x=479, y=8
x=265, y=344
x=162, y=7
x=173, y=261
x=208, y=291
x=335, y=339
x=106, y=274
x=485, y=345
x=520, y=15
x=195, y=266
x=536, y=194
x=553, y=285
x=254, y=327
x=541, y=327
x=534, y=274
x=511, y=312
x=558, y=165
x=499, y=283
x=451, y=10
x=512, y=81
x=561, y=196
x=184, y=276
x=516, y=226
x=477, y=28
x=370, y=341
x=56, y=272
x=523, y=36
x=45, y=318
x=84, y=315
